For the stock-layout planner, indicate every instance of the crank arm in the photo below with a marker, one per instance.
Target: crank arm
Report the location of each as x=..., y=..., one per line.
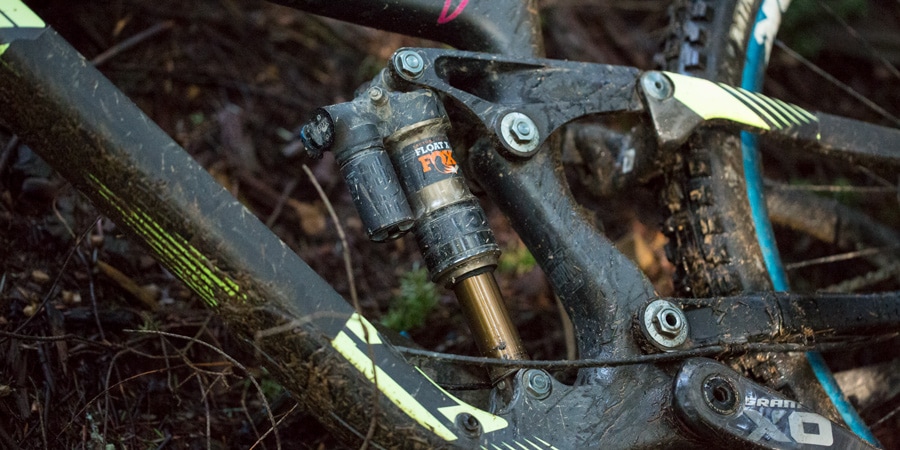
x=730, y=411
x=768, y=318
x=679, y=104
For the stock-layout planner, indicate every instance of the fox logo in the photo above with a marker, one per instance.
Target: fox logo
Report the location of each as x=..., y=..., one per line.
x=441, y=161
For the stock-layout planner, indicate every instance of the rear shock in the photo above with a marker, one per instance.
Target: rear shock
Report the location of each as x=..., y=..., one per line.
x=394, y=153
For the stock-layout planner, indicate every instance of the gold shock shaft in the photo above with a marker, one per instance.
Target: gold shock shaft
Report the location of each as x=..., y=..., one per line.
x=482, y=305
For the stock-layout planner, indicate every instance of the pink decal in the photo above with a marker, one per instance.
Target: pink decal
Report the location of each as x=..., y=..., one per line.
x=445, y=17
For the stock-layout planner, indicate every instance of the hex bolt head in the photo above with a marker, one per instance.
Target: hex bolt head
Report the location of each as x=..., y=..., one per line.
x=720, y=395
x=520, y=133
x=522, y=130
x=656, y=85
x=537, y=383
x=668, y=322
x=409, y=63
x=665, y=324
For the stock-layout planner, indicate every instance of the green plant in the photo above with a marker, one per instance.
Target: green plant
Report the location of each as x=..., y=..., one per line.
x=516, y=261
x=417, y=297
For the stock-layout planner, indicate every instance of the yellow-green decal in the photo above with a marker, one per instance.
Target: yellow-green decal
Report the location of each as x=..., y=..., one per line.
x=17, y=22
x=438, y=410
x=719, y=101
x=174, y=251
x=14, y=14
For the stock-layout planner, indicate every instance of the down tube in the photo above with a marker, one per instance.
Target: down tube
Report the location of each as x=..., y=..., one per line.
x=316, y=345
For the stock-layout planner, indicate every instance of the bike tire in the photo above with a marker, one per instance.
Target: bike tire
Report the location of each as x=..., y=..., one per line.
x=714, y=253
x=713, y=249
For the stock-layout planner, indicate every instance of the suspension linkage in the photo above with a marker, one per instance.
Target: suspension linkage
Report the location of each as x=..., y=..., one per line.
x=683, y=324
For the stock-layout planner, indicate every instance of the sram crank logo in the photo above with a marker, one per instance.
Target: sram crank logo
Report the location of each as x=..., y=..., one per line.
x=436, y=156
x=779, y=420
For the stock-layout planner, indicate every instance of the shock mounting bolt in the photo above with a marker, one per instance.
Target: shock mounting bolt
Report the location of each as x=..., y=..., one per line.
x=537, y=383
x=656, y=85
x=520, y=133
x=409, y=63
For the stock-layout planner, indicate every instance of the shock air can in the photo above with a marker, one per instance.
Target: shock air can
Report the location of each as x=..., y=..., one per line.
x=451, y=228
x=365, y=165
x=374, y=186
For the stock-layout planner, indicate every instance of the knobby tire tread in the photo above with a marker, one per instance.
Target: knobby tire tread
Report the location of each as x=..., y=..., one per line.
x=710, y=242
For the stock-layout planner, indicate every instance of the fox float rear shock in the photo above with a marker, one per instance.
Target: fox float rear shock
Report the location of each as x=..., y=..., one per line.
x=393, y=152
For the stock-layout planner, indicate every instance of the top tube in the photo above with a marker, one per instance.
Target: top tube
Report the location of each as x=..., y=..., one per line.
x=509, y=27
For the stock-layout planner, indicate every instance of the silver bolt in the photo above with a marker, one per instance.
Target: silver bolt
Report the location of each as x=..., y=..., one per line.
x=537, y=383
x=656, y=85
x=668, y=322
x=519, y=132
x=523, y=130
x=410, y=63
x=665, y=324
x=376, y=95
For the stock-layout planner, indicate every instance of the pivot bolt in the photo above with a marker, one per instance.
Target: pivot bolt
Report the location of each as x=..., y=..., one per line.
x=665, y=324
x=537, y=383
x=656, y=85
x=409, y=63
x=520, y=133
x=468, y=424
x=720, y=394
x=668, y=322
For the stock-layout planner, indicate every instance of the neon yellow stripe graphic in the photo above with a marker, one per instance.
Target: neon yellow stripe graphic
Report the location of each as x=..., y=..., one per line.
x=364, y=330
x=177, y=254
x=18, y=15
x=710, y=101
x=719, y=101
x=390, y=388
x=786, y=110
x=753, y=103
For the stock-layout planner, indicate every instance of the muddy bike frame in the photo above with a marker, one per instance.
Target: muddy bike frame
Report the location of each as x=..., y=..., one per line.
x=628, y=393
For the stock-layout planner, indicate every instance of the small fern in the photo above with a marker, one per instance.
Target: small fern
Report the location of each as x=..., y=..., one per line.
x=417, y=297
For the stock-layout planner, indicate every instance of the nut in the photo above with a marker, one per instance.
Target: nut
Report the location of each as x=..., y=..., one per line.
x=668, y=322
x=522, y=130
x=664, y=324
x=537, y=383
x=409, y=63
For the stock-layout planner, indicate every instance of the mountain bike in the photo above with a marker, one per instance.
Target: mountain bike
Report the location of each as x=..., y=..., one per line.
x=720, y=365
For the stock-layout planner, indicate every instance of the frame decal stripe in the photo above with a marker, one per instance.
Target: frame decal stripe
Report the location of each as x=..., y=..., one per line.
x=188, y=263
x=14, y=14
x=785, y=109
x=431, y=406
x=17, y=22
x=754, y=104
x=710, y=101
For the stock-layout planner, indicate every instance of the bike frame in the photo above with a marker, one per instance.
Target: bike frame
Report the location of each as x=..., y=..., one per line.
x=140, y=178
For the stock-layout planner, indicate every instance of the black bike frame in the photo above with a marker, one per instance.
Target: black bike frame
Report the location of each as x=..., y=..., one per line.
x=139, y=177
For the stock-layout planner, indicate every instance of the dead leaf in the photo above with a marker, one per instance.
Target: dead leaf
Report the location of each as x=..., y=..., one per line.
x=39, y=276
x=311, y=215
